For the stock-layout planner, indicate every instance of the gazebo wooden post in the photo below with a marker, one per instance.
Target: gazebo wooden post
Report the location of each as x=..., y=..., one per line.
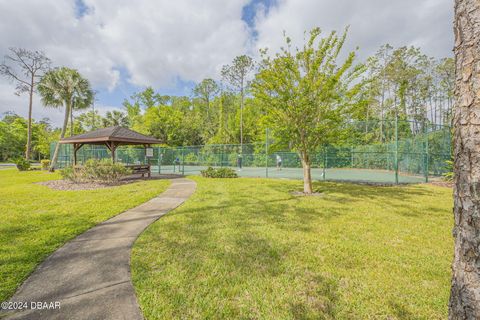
x=147, y=160
x=74, y=154
x=76, y=147
x=112, y=147
x=145, y=146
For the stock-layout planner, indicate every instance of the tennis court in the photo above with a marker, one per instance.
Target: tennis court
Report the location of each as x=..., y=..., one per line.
x=331, y=174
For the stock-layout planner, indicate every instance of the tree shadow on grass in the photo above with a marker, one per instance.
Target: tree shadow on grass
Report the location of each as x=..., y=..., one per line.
x=403, y=198
x=401, y=312
x=284, y=213
x=245, y=255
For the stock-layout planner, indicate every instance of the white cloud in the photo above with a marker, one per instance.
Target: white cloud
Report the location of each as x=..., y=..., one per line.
x=157, y=41
x=424, y=23
x=154, y=41
x=51, y=26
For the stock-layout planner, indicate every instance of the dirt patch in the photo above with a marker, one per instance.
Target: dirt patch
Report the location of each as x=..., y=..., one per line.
x=303, y=194
x=445, y=184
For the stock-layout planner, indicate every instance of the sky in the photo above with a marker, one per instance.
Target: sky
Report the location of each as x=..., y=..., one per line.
x=123, y=46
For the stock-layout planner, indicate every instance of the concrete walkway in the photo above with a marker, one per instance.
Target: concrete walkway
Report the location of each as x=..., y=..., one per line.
x=90, y=275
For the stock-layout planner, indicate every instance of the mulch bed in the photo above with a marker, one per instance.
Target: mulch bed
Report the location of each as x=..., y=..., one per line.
x=68, y=185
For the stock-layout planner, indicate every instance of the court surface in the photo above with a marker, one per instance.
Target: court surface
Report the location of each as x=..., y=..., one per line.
x=332, y=174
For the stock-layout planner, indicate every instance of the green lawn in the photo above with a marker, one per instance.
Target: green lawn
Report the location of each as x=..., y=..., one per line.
x=248, y=249
x=36, y=220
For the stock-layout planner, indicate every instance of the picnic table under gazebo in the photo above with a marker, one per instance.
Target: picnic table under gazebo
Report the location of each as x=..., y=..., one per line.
x=112, y=138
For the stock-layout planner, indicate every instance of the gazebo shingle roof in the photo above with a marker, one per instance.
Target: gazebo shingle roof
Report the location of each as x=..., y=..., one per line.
x=111, y=134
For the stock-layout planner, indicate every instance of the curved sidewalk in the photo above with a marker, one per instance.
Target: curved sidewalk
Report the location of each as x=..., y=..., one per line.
x=90, y=275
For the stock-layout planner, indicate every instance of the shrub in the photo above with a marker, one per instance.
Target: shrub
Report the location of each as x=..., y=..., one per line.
x=22, y=164
x=448, y=176
x=219, y=173
x=45, y=164
x=103, y=171
x=68, y=173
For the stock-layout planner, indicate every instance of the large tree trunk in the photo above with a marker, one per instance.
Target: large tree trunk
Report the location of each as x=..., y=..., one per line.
x=465, y=291
x=62, y=135
x=29, y=126
x=307, y=174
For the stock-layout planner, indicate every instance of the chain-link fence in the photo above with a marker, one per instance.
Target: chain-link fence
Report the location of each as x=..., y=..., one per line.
x=391, y=151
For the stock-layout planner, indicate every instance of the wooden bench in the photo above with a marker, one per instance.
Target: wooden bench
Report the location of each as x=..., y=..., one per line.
x=140, y=169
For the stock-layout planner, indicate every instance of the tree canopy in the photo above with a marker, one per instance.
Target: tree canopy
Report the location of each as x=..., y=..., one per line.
x=308, y=94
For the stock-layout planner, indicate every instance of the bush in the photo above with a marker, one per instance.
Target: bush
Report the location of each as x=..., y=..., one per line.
x=68, y=173
x=103, y=171
x=45, y=164
x=448, y=176
x=219, y=173
x=22, y=164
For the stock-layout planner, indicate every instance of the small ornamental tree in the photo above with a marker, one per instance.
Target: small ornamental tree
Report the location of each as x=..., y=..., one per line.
x=308, y=95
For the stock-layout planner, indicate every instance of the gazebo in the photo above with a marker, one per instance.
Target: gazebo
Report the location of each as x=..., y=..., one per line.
x=111, y=137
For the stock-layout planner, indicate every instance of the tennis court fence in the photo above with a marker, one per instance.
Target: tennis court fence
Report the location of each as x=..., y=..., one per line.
x=388, y=154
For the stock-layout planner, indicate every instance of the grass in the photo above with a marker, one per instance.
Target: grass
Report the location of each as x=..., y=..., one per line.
x=36, y=220
x=248, y=249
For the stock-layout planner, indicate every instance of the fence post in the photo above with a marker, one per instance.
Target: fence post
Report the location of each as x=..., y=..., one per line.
x=159, y=160
x=396, y=149
x=266, y=153
x=221, y=158
x=183, y=160
x=351, y=156
x=324, y=163
x=426, y=166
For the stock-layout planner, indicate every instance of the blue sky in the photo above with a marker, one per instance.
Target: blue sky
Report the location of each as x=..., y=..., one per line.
x=80, y=8
x=249, y=11
x=123, y=46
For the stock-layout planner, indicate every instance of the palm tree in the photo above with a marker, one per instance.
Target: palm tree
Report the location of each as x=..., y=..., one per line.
x=60, y=88
x=115, y=118
x=77, y=104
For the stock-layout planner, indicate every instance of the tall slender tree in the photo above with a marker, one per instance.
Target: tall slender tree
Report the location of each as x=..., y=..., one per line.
x=206, y=90
x=465, y=291
x=59, y=88
x=446, y=74
x=236, y=75
x=25, y=68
